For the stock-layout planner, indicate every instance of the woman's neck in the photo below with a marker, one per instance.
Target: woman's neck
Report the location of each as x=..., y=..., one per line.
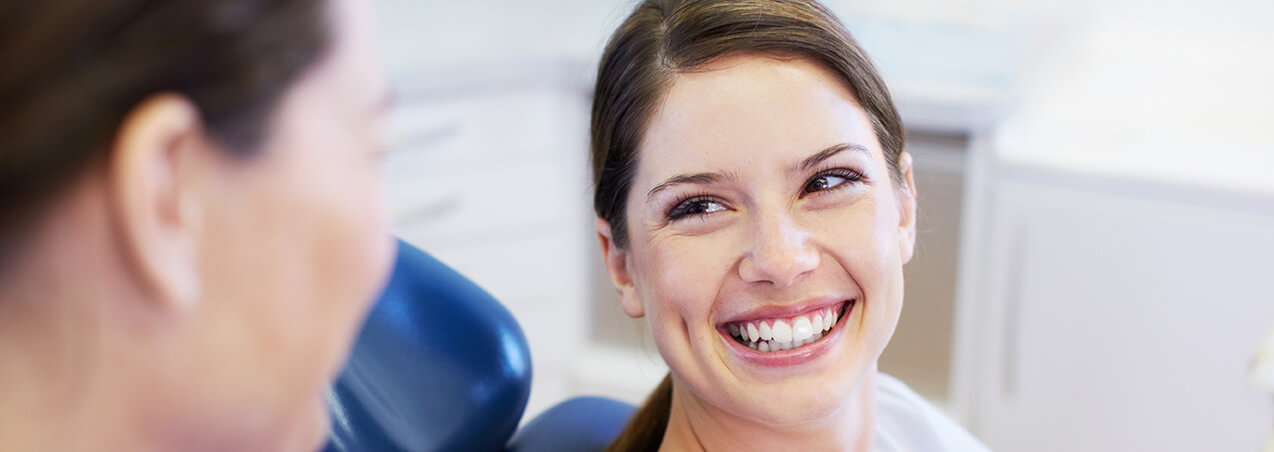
x=53, y=397
x=62, y=385
x=694, y=425
x=71, y=383
x=29, y=426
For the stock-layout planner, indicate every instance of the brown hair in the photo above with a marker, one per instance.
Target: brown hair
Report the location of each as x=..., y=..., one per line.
x=73, y=69
x=664, y=37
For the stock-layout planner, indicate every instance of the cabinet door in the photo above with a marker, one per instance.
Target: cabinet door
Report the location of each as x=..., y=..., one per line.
x=1122, y=322
x=494, y=183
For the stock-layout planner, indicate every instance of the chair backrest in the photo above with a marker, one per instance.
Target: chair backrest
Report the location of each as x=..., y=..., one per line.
x=439, y=365
x=581, y=424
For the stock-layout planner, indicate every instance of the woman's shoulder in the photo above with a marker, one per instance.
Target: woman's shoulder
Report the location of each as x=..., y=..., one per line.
x=905, y=421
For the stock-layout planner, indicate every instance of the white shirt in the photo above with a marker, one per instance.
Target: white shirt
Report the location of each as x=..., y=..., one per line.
x=906, y=422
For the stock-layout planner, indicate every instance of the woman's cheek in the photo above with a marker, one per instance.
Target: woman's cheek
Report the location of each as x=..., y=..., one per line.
x=685, y=277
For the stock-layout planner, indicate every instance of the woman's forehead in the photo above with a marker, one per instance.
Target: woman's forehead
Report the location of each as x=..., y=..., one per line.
x=751, y=111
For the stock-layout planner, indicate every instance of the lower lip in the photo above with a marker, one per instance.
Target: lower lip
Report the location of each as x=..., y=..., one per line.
x=796, y=356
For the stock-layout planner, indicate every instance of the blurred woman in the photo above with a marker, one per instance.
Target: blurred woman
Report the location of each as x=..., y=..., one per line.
x=754, y=202
x=190, y=230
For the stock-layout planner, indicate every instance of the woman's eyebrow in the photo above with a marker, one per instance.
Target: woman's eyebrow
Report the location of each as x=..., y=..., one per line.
x=714, y=177
x=699, y=178
x=825, y=154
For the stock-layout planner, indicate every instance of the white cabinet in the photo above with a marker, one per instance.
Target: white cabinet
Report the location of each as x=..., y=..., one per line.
x=1112, y=315
x=490, y=177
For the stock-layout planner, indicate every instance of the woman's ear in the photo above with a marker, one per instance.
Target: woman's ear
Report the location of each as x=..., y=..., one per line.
x=906, y=208
x=616, y=260
x=153, y=199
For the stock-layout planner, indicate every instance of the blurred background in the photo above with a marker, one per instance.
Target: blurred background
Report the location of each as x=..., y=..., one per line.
x=1096, y=178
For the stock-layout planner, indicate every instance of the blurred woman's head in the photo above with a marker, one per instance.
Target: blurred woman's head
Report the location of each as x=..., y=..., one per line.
x=190, y=217
x=754, y=203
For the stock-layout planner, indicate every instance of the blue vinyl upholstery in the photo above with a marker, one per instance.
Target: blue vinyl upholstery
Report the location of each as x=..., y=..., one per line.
x=440, y=365
x=581, y=424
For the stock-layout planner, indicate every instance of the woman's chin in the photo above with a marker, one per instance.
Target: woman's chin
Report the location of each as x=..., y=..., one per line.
x=816, y=393
x=790, y=409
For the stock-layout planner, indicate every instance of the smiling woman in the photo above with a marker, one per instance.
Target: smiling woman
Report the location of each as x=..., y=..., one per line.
x=776, y=209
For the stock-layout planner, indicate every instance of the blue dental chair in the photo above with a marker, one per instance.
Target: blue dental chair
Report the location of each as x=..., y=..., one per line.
x=440, y=365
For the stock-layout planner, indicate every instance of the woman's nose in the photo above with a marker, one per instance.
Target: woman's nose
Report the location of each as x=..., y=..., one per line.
x=781, y=253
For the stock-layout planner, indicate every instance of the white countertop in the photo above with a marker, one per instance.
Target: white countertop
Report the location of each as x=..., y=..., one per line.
x=1193, y=110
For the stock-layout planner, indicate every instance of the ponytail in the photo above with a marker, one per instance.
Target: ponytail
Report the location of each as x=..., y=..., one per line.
x=645, y=431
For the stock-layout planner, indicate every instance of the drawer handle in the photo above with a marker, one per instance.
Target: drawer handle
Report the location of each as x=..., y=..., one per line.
x=430, y=212
x=425, y=138
x=1012, y=312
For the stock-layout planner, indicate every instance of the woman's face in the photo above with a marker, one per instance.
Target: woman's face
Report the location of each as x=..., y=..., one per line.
x=295, y=247
x=762, y=205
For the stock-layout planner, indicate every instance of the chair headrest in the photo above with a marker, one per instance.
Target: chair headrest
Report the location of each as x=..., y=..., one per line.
x=439, y=365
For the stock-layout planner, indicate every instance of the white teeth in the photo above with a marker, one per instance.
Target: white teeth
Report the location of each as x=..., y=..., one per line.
x=782, y=332
x=802, y=329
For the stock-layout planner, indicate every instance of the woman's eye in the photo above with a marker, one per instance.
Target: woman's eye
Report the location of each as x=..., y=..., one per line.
x=828, y=181
x=700, y=206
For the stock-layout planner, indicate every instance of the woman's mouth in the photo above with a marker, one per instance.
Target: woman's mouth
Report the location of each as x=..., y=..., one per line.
x=771, y=335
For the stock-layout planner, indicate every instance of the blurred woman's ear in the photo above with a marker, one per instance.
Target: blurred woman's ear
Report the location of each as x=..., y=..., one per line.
x=616, y=260
x=151, y=176
x=906, y=208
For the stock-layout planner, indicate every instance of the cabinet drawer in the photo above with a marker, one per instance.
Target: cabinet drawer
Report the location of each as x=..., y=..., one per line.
x=476, y=203
x=540, y=270
x=507, y=129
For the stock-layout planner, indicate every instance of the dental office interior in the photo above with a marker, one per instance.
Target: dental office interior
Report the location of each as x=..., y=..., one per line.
x=1096, y=205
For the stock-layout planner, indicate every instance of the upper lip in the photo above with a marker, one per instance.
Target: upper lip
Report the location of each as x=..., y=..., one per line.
x=788, y=310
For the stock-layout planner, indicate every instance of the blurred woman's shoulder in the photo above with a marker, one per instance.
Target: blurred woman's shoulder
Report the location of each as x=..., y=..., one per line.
x=905, y=421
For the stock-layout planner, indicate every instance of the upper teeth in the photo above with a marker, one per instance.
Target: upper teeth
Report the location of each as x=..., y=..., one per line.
x=784, y=334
